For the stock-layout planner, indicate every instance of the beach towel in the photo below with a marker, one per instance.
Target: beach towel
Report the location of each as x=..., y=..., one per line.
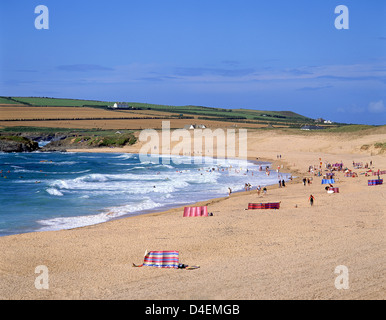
x=328, y=181
x=273, y=205
x=351, y=174
x=375, y=182
x=337, y=165
x=334, y=190
x=160, y=259
x=164, y=259
x=375, y=173
x=196, y=211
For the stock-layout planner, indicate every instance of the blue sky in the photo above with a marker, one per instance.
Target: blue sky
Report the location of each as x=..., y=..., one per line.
x=266, y=55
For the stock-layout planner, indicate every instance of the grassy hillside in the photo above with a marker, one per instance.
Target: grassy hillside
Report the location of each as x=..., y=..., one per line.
x=35, y=101
x=7, y=100
x=210, y=113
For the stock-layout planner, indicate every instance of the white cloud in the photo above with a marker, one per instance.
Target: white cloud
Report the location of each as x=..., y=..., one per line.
x=351, y=109
x=377, y=107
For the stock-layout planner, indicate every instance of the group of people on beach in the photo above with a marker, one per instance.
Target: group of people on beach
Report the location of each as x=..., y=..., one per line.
x=307, y=181
x=359, y=165
x=247, y=187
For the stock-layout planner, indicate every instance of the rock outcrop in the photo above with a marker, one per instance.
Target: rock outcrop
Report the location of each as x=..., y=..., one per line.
x=17, y=144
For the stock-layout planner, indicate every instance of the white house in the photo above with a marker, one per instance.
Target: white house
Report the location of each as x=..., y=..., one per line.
x=194, y=126
x=120, y=105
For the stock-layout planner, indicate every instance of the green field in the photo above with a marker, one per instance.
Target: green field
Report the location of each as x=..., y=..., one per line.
x=7, y=100
x=220, y=114
x=54, y=102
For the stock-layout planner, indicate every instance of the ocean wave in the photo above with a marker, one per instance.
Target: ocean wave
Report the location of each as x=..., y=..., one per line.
x=82, y=221
x=135, y=168
x=126, y=156
x=148, y=162
x=71, y=222
x=162, y=165
x=146, y=204
x=61, y=184
x=20, y=169
x=94, y=177
x=130, y=183
x=104, y=186
x=98, y=177
x=54, y=192
x=74, y=172
x=64, y=163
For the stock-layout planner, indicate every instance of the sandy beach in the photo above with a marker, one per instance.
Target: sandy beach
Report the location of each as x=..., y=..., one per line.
x=290, y=253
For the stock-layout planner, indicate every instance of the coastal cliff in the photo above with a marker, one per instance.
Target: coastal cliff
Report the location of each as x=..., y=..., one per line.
x=17, y=144
x=27, y=142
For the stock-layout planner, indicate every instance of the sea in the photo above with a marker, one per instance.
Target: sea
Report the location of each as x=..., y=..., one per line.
x=43, y=191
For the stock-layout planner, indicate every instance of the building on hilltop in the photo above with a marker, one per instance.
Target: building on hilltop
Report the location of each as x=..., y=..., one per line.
x=194, y=126
x=120, y=105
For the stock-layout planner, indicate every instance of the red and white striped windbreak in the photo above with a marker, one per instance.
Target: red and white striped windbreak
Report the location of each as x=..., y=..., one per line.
x=375, y=173
x=374, y=182
x=272, y=205
x=161, y=259
x=196, y=211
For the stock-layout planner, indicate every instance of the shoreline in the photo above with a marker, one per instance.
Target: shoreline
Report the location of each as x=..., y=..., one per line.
x=290, y=253
x=169, y=208
x=207, y=202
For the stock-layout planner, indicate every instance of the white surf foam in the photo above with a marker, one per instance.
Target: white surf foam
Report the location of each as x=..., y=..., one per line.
x=82, y=221
x=54, y=192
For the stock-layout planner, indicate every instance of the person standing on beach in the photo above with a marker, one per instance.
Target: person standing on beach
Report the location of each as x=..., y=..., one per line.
x=311, y=198
x=229, y=192
x=258, y=190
